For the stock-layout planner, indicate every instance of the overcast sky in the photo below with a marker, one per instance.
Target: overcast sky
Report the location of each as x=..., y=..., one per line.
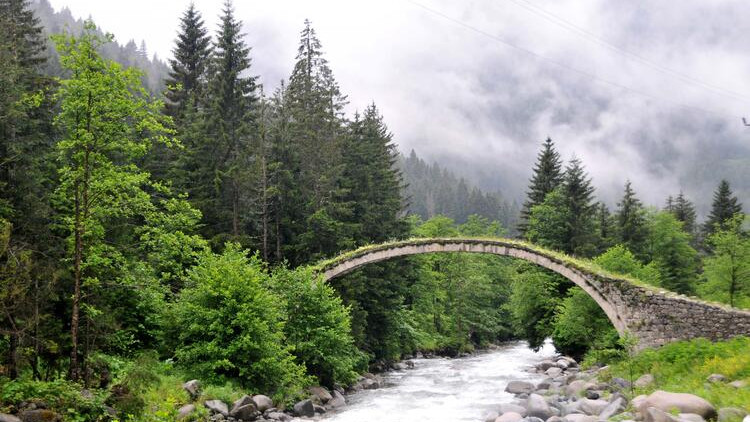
x=451, y=89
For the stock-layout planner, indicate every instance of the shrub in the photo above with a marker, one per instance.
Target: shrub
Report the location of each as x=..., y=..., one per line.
x=61, y=396
x=318, y=326
x=229, y=326
x=581, y=325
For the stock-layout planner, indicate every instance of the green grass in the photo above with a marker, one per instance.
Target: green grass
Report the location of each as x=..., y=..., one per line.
x=683, y=367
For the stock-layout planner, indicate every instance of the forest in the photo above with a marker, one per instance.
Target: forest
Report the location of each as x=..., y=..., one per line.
x=154, y=231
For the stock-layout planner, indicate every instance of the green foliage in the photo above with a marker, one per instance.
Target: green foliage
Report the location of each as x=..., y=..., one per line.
x=631, y=223
x=727, y=271
x=61, y=396
x=547, y=223
x=725, y=206
x=317, y=327
x=668, y=248
x=547, y=177
x=581, y=325
x=533, y=302
x=618, y=259
x=227, y=326
x=684, y=366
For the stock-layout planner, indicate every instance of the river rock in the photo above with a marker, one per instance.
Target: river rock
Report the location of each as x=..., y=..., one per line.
x=4, y=417
x=304, y=408
x=727, y=414
x=39, y=415
x=644, y=381
x=491, y=416
x=537, y=407
x=576, y=387
x=193, y=388
x=337, y=400
x=683, y=402
x=592, y=395
x=653, y=414
x=319, y=409
x=690, y=417
x=321, y=394
x=592, y=407
x=247, y=412
x=620, y=383
x=519, y=387
x=510, y=407
x=614, y=407
x=185, y=411
x=553, y=371
x=217, y=406
x=262, y=402
x=278, y=416
x=638, y=400
x=546, y=364
x=716, y=378
x=509, y=417
x=738, y=384
x=580, y=417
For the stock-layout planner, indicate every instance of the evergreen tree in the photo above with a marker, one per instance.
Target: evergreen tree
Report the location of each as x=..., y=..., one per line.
x=724, y=207
x=316, y=112
x=222, y=178
x=605, y=227
x=371, y=180
x=631, y=222
x=547, y=177
x=684, y=211
x=187, y=76
x=668, y=248
x=579, y=196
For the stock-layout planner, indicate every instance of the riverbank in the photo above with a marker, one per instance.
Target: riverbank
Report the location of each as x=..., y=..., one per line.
x=676, y=383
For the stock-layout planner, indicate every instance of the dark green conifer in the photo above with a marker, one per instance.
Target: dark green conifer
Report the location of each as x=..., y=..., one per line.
x=724, y=207
x=631, y=222
x=579, y=196
x=684, y=211
x=547, y=177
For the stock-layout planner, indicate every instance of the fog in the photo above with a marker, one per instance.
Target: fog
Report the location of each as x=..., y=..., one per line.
x=662, y=108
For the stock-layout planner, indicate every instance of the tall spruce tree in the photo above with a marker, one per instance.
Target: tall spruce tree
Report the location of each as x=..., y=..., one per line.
x=187, y=75
x=371, y=180
x=547, y=176
x=605, y=228
x=684, y=211
x=579, y=196
x=631, y=222
x=316, y=111
x=223, y=177
x=724, y=207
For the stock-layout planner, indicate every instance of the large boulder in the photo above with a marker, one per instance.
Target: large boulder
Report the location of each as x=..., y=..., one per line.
x=39, y=415
x=546, y=364
x=614, y=407
x=262, y=402
x=193, y=388
x=320, y=394
x=553, y=371
x=593, y=407
x=690, y=417
x=519, y=387
x=4, y=417
x=304, y=408
x=337, y=400
x=278, y=416
x=509, y=417
x=185, y=411
x=217, y=406
x=644, y=381
x=491, y=416
x=682, y=402
x=575, y=388
x=509, y=407
x=538, y=407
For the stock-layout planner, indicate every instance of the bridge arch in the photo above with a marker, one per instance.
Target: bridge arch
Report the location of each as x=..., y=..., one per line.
x=654, y=316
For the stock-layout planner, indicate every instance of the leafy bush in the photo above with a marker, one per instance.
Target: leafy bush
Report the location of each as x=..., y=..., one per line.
x=318, y=327
x=581, y=325
x=229, y=326
x=61, y=396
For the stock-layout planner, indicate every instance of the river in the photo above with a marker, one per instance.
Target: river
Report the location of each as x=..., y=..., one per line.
x=445, y=390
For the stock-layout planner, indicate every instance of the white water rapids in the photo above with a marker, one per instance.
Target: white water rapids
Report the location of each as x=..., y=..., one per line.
x=445, y=390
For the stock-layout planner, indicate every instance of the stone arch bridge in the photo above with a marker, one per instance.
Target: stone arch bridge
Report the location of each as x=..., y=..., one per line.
x=652, y=315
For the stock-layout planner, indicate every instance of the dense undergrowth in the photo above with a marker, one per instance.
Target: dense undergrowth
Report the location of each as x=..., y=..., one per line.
x=685, y=366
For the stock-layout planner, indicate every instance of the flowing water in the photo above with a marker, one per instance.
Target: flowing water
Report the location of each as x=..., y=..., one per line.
x=445, y=390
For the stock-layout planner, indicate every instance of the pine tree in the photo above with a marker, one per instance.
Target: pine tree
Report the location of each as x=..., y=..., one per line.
x=579, y=196
x=605, y=228
x=631, y=222
x=371, y=180
x=223, y=176
x=684, y=211
x=724, y=207
x=547, y=177
x=192, y=52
